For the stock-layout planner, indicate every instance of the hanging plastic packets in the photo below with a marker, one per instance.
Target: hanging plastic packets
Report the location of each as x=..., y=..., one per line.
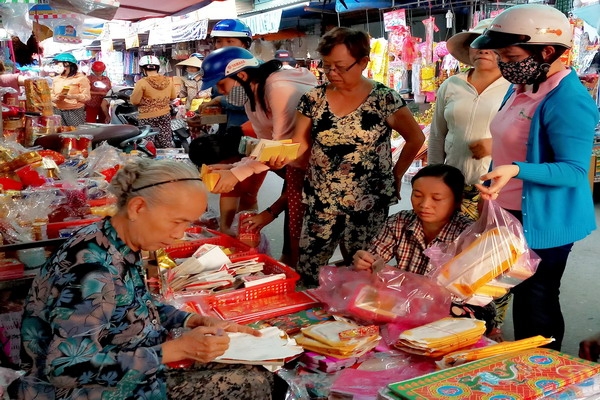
x=15, y=21
x=428, y=78
x=104, y=9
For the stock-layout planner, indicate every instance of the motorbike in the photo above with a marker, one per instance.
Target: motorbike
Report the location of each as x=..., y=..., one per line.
x=125, y=133
x=179, y=128
x=124, y=137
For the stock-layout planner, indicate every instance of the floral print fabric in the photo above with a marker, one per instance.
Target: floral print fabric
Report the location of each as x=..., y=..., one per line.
x=90, y=328
x=351, y=165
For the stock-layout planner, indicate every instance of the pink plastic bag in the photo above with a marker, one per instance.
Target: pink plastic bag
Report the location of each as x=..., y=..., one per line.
x=486, y=260
x=389, y=296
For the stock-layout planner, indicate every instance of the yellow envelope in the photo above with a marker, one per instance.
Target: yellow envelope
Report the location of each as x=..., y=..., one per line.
x=210, y=179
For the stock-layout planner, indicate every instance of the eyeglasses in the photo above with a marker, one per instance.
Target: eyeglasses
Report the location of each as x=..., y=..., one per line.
x=339, y=70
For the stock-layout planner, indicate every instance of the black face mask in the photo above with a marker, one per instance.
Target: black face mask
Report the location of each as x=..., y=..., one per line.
x=527, y=71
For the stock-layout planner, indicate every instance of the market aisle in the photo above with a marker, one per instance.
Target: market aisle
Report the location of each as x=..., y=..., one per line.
x=580, y=289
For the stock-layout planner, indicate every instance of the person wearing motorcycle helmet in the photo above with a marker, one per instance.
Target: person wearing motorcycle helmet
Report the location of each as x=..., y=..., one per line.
x=152, y=95
x=541, y=144
x=99, y=86
x=231, y=33
x=70, y=90
x=191, y=79
x=273, y=94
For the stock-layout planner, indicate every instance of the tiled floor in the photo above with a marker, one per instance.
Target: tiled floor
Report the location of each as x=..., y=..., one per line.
x=580, y=284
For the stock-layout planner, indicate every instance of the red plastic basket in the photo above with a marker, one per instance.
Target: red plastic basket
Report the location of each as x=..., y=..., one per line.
x=185, y=249
x=271, y=266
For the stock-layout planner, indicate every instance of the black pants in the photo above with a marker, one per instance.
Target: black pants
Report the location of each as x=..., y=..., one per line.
x=536, y=303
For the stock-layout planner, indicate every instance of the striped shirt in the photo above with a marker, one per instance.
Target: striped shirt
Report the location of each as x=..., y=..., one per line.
x=403, y=238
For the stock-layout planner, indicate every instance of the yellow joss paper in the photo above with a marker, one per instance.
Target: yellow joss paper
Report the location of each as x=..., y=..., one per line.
x=441, y=337
x=164, y=261
x=465, y=356
x=210, y=179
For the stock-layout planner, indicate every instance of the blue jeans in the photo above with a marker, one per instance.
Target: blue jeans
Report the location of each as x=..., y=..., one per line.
x=536, y=303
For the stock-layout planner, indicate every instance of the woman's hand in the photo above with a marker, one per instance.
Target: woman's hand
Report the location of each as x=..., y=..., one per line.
x=258, y=221
x=226, y=182
x=363, y=260
x=278, y=162
x=499, y=177
x=481, y=148
x=202, y=344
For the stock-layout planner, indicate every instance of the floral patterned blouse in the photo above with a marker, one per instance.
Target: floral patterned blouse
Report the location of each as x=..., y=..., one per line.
x=350, y=168
x=90, y=329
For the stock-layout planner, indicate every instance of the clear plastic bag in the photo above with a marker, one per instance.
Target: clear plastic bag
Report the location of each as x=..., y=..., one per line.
x=486, y=260
x=389, y=296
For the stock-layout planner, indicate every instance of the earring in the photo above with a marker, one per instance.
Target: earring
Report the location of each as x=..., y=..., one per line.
x=131, y=219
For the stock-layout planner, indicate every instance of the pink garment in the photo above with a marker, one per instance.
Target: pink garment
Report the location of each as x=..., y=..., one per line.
x=283, y=90
x=247, y=167
x=510, y=133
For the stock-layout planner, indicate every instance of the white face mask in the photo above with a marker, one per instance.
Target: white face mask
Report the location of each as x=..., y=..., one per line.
x=59, y=68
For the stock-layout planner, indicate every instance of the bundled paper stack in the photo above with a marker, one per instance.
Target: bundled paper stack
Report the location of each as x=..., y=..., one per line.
x=210, y=268
x=209, y=178
x=265, y=149
x=441, y=337
x=525, y=375
x=339, y=339
x=487, y=268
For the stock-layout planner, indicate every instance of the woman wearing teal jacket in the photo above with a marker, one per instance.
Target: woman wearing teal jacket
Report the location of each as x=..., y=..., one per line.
x=541, y=145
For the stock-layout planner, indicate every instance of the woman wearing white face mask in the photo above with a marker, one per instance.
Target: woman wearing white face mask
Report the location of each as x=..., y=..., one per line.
x=70, y=90
x=541, y=144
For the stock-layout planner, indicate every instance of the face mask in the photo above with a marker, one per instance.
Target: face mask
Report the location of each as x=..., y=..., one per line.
x=527, y=71
x=59, y=68
x=191, y=76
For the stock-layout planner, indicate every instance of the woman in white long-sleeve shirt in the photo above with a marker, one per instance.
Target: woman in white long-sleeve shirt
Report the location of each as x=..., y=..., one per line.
x=466, y=103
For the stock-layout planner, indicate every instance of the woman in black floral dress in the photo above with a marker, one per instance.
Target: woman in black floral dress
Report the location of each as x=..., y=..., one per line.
x=351, y=179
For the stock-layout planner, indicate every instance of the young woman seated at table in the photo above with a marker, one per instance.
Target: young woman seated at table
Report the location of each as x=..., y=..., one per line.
x=436, y=199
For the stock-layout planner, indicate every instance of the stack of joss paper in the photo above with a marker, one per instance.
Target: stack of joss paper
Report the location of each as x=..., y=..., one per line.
x=339, y=339
x=441, y=337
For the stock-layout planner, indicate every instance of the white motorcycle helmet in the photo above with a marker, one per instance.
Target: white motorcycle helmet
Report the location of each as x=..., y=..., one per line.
x=149, y=60
x=527, y=24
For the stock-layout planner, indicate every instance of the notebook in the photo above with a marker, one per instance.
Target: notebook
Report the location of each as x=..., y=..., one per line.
x=525, y=375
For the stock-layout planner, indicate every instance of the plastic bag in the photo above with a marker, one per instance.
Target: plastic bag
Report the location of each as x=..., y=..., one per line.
x=390, y=295
x=486, y=260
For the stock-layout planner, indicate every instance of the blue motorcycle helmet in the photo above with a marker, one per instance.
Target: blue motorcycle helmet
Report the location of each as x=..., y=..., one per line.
x=65, y=57
x=225, y=62
x=231, y=28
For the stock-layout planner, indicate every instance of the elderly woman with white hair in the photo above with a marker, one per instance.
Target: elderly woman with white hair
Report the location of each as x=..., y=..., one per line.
x=92, y=330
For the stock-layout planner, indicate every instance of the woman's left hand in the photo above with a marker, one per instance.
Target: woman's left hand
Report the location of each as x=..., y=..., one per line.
x=499, y=177
x=258, y=221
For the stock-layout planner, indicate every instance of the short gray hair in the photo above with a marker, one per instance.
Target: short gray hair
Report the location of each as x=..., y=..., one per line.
x=143, y=177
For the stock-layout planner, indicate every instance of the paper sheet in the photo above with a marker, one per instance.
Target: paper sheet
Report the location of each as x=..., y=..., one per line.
x=273, y=344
